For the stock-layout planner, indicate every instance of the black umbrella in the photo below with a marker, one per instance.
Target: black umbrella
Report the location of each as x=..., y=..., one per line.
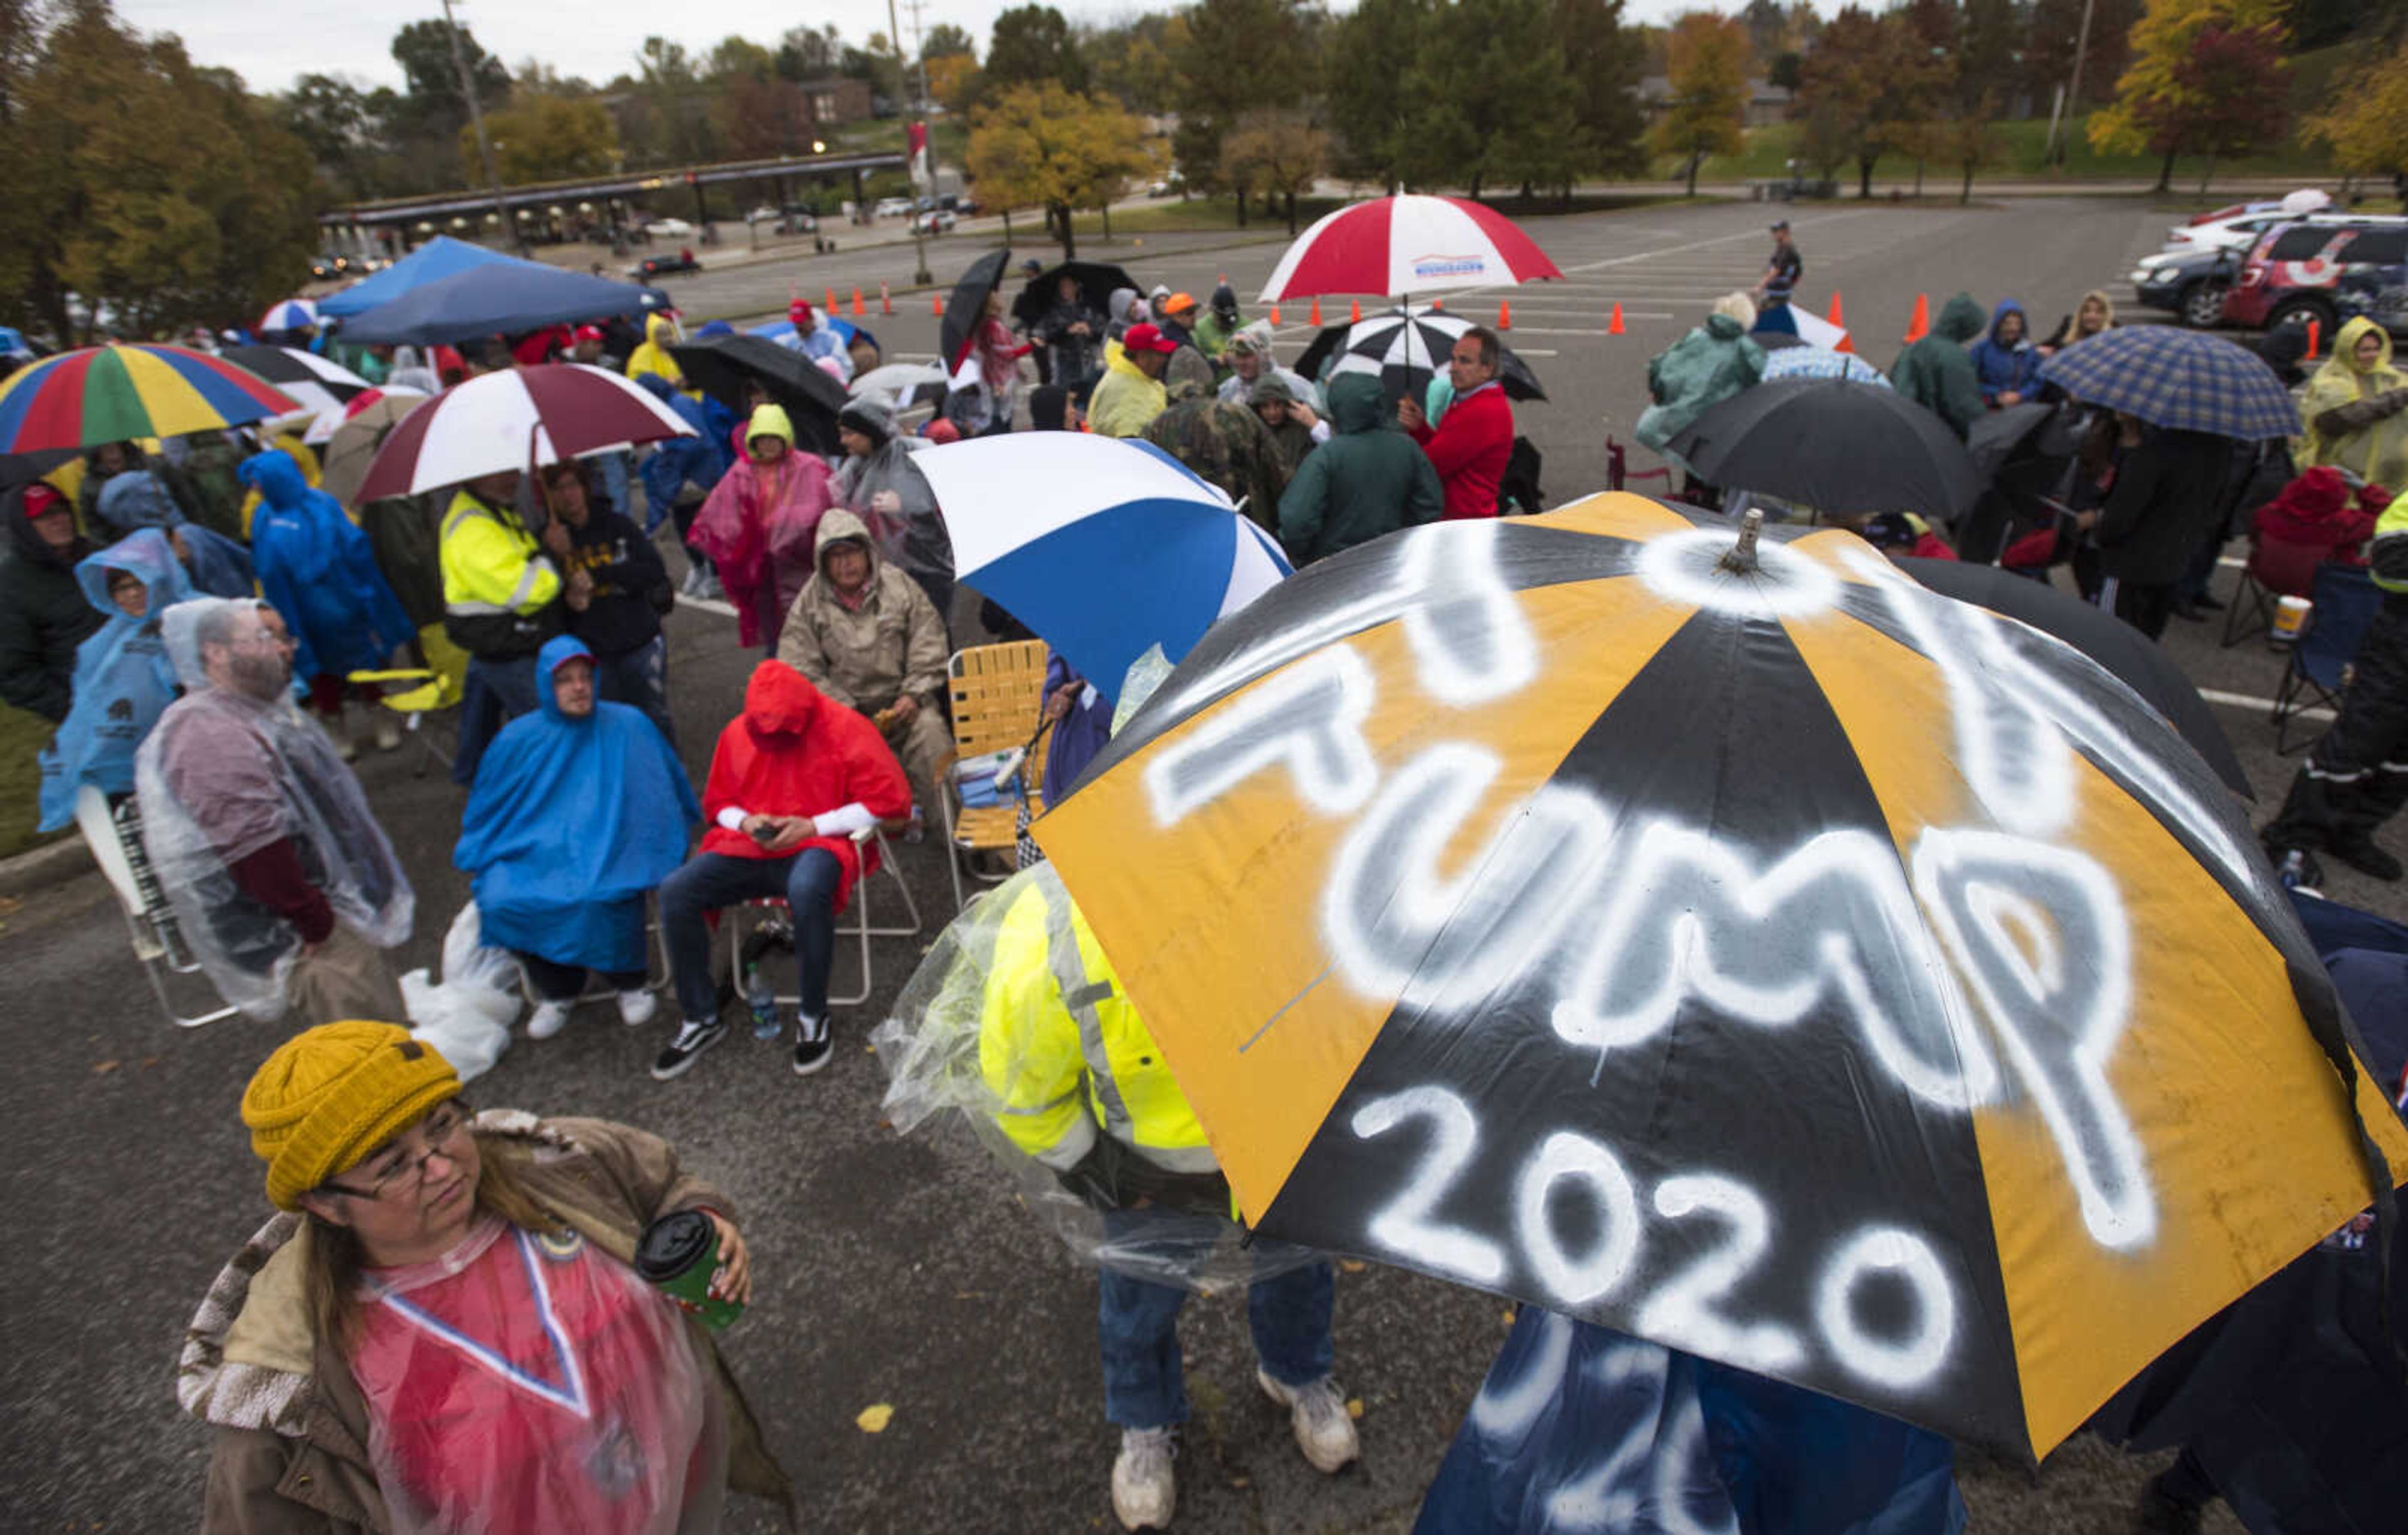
x=969, y=302
x=1097, y=280
x=1404, y=349
x=1835, y=445
x=2137, y=660
x=24, y=468
x=724, y=365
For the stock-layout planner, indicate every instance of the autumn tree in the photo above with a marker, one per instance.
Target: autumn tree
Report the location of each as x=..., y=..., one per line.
x=953, y=79
x=1031, y=45
x=548, y=138
x=2228, y=98
x=1133, y=61
x=1281, y=153
x=1969, y=140
x=2367, y=126
x=1044, y=145
x=159, y=191
x=2152, y=93
x=1869, y=87
x=1705, y=64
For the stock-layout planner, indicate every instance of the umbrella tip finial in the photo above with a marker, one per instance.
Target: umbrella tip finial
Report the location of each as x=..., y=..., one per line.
x=1742, y=560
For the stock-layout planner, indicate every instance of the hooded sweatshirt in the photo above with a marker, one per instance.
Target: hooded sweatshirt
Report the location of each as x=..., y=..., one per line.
x=2004, y=367
x=796, y=751
x=866, y=653
x=320, y=573
x=1219, y=321
x=564, y=875
x=654, y=357
x=43, y=614
x=2357, y=418
x=1369, y=478
x=123, y=681
x=631, y=586
x=1936, y=373
x=1124, y=401
x=1701, y=369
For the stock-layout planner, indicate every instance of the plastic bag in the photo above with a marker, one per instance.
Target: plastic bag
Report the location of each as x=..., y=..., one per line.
x=930, y=1045
x=470, y=1040
x=476, y=975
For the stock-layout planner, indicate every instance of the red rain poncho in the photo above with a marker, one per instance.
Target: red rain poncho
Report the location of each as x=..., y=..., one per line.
x=2315, y=510
x=793, y=753
x=758, y=519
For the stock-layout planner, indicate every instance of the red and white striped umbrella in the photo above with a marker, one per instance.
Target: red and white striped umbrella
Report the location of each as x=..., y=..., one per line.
x=1407, y=245
x=515, y=420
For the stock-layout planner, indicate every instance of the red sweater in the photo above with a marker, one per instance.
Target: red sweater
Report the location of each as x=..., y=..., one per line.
x=1468, y=448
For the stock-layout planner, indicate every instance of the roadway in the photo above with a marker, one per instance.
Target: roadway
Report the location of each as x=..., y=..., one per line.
x=897, y=1271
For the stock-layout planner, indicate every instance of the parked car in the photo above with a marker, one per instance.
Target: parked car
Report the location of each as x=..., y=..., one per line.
x=2191, y=283
x=673, y=228
x=2326, y=271
x=936, y=220
x=761, y=215
x=651, y=266
x=2237, y=226
x=966, y=206
x=326, y=268
x=798, y=220
x=893, y=208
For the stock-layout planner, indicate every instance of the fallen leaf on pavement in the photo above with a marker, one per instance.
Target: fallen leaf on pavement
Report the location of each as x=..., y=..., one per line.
x=874, y=1419
x=1353, y=1266
x=1353, y=1407
x=100, y=1068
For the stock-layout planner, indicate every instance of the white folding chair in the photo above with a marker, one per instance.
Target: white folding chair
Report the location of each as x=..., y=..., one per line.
x=149, y=922
x=862, y=929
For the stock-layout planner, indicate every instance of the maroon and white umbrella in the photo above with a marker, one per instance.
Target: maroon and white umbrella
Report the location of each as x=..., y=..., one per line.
x=515, y=420
x=1411, y=244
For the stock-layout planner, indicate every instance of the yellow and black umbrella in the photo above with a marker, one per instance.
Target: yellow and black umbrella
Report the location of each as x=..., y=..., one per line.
x=1790, y=965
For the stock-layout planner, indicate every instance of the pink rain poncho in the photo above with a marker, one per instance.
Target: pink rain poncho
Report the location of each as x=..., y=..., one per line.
x=758, y=527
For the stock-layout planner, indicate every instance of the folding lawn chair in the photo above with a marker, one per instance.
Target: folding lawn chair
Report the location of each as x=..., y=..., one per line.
x=114, y=834
x=863, y=928
x=2346, y=600
x=999, y=698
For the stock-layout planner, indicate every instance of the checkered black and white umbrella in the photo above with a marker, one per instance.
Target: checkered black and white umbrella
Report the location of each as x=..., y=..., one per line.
x=2181, y=380
x=1404, y=349
x=321, y=385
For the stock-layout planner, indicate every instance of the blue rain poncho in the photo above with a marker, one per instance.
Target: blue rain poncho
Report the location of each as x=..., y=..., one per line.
x=570, y=823
x=217, y=566
x=320, y=572
x=123, y=681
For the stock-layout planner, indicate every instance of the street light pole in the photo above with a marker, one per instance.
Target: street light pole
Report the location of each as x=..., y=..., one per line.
x=903, y=88
x=2074, y=92
x=477, y=118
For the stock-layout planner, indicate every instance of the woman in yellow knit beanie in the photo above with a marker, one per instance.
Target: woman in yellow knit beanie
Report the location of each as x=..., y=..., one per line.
x=442, y=1328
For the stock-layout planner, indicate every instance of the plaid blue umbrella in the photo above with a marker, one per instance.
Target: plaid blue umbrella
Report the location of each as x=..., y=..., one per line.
x=2181, y=380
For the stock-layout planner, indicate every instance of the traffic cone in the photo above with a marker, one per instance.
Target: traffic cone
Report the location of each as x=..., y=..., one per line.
x=885, y=299
x=858, y=312
x=830, y=307
x=937, y=304
x=1919, y=325
x=1316, y=314
x=1847, y=343
x=1276, y=320
x=1354, y=316
x=1834, y=316
x=1438, y=305
x=2316, y=334
x=1614, y=326
x=1504, y=315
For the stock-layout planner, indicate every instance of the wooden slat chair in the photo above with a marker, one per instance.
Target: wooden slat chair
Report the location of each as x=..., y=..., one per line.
x=999, y=695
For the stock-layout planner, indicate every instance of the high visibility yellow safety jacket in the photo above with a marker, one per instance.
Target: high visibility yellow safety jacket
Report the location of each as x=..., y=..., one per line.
x=500, y=595
x=1063, y=1050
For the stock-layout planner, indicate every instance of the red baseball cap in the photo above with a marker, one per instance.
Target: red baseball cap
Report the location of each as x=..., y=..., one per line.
x=40, y=498
x=1148, y=338
x=590, y=333
x=799, y=310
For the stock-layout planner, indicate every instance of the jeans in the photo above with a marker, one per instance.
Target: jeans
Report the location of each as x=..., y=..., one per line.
x=640, y=677
x=557, y=983
x=495, y=693
x=807, y=880
x=1139, y=1324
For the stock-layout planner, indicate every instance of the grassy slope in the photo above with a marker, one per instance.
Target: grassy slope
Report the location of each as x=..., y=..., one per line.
x=22, y=737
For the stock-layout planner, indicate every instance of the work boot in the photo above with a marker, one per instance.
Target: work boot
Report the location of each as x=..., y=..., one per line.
x=1144, y=1491
x=1324, y=1431
x=2365, y=857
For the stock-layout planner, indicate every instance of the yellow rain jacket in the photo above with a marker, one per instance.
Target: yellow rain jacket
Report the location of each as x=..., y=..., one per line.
x=1064, y=1052
x=653, y=355
x=501, y=597
x=1126, y=401
x=2357, y=418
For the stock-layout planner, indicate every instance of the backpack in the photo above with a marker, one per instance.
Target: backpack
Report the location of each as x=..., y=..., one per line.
x=1518, y=489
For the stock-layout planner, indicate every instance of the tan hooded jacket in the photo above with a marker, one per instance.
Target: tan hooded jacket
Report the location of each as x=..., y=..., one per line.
x=864, y=657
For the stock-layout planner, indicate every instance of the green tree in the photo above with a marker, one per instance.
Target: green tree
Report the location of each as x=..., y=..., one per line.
x=1969, y=141
x=810, y=53
x=1870, y=85
x=157, y=190
x=2151, y=92
x=944, y=40
x=1031, y=45
x=548, y=138
x=673, y=123
x=1370, y=53
x=1238, y=56
x=1132, y=60
x=1281, y=153
x=330, y=117
x=423, y=51
x=1705, y=62
x=1603, y=59
x=1491, y=102
x=1044, y=145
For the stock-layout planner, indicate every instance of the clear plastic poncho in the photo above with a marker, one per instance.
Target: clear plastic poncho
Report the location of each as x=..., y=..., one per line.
x=226, y=775
x=894, y=500
x=942, y=1054
x=530, y=1384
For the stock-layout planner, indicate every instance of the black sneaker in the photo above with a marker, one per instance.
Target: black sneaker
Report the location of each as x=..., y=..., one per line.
x=812, y=1044
x=692, y=1040
x=2366, y=858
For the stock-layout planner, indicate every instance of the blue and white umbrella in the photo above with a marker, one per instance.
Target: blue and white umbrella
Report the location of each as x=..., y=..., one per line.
x=289, y=314
x=1815, y=363
x=1104, y=546
x=2184, y=380
x=782, y=331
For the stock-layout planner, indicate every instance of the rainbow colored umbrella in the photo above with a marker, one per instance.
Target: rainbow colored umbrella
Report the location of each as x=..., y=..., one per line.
x=118, y=393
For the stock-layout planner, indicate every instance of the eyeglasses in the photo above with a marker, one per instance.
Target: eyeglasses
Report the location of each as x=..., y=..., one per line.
x=405, y=1171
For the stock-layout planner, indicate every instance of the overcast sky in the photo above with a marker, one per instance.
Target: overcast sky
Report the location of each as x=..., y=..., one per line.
x=269, y=44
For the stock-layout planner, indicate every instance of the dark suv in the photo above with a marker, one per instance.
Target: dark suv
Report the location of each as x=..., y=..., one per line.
x=2326, y=270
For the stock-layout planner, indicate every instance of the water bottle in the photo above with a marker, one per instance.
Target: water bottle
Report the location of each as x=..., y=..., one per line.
x=763, y=999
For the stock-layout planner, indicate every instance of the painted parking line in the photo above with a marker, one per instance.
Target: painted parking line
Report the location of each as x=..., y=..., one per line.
x=705, y=604
x=2244, y=700
x=1558, y=330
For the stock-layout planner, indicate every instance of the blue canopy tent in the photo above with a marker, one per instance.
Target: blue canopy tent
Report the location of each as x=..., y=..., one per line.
x=498, y=298
x=438, y=258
